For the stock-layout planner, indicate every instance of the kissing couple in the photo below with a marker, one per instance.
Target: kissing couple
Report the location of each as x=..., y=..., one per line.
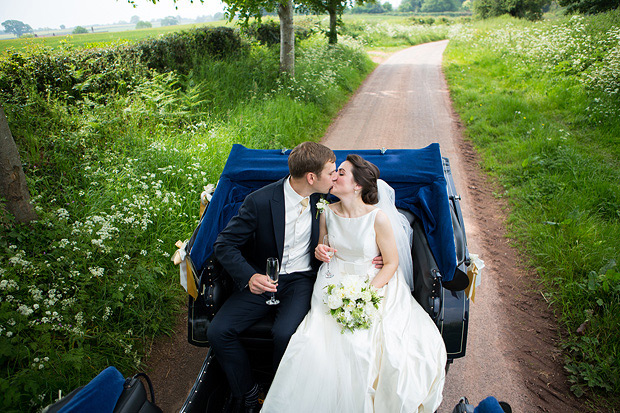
x=394, y=362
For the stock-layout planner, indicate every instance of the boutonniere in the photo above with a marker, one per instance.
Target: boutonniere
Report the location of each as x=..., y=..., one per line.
x=320, y=206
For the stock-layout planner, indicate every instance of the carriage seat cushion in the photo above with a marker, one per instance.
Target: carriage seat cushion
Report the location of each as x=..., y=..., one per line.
x=99, y=395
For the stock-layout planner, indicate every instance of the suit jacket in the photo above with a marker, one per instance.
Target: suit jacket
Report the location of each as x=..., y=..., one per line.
x=257, y=233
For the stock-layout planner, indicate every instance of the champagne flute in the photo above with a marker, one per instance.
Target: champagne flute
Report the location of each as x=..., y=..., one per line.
x=330, y=253
x=273, y=272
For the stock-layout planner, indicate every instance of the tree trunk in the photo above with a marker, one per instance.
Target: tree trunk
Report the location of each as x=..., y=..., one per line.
x=333, y=25
x=287, y=37
x=13, y=187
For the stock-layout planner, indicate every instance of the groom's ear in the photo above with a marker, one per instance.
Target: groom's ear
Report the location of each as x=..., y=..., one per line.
x=311, y=178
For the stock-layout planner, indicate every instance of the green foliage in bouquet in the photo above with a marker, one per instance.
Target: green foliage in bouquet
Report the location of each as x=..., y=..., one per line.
x=353, y=303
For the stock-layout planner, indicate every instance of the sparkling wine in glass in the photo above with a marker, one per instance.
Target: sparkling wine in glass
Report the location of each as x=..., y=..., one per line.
x=273, y=272
x=330, y=253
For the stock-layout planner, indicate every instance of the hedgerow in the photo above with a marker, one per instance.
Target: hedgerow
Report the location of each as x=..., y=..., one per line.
x=72, y=74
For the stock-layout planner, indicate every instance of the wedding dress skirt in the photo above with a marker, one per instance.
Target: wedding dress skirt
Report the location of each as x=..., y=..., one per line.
x=397, y=365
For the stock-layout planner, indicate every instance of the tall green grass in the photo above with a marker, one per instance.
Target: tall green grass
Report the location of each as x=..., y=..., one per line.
x=115, y=178
x=541, y=102
x=385, y=32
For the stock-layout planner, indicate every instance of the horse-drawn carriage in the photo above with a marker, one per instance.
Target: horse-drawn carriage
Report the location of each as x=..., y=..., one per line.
x=425, y=195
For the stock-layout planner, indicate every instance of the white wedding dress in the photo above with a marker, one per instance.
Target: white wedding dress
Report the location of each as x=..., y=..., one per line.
x=395, y=366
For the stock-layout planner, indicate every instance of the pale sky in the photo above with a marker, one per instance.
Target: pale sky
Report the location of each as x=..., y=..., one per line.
x=53, y=13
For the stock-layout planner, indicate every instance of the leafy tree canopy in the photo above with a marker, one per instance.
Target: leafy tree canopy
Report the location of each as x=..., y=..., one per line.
x=143, y=25
x=440, y=5
x=527, y=9
x=372, y=8
x=410, y=5
x=169, y=21
x=589, y=6
x=80, y=30
x=16, y=27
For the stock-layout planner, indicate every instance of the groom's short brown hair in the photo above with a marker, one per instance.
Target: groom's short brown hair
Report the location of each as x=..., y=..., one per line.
x=309, y=157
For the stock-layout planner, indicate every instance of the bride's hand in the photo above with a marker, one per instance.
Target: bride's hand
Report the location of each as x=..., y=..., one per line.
x=379, y=290
x=320, y=252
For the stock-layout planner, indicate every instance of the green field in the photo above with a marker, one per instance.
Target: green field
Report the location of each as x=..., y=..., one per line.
x=98, y=39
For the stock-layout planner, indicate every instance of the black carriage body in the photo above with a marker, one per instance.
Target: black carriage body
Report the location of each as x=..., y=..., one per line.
x=445, y=302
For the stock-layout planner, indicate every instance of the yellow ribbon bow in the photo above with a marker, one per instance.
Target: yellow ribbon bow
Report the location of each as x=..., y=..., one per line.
x=188, y=279
x=474, y=273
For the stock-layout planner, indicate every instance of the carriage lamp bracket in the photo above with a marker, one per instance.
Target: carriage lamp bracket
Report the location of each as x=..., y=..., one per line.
x=434, y=299
x=210, y=270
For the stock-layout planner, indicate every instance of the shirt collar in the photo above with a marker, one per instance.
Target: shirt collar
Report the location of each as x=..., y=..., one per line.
x=291, y=197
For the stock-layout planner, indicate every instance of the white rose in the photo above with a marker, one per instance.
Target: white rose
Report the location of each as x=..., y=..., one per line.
x=334, y=301
x=370, y=309
x=347, y=316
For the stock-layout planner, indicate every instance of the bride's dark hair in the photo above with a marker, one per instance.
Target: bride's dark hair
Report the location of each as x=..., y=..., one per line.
x=365, y=174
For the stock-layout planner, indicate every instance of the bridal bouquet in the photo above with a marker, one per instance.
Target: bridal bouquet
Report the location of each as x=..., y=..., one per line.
x=353, y=303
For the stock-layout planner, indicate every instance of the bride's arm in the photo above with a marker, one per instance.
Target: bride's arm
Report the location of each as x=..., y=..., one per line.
x=387, y=246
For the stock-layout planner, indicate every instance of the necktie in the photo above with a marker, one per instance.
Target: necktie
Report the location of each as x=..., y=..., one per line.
x=304, y=205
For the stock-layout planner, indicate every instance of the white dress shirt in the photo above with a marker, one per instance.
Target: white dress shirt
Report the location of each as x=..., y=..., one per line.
x=297, y=230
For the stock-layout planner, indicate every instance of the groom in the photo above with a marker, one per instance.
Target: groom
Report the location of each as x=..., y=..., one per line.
x=279, y=220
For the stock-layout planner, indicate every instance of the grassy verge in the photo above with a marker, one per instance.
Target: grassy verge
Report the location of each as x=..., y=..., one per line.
x=116, y=178
x=541, y=103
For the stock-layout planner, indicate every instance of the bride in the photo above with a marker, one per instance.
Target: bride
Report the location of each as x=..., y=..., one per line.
x=396, y=365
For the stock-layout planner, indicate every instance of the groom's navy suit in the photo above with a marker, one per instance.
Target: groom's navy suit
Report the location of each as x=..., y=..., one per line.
x=253, y=235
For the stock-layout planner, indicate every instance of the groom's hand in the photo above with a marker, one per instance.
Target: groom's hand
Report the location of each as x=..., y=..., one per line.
x=378, y=261
x=259, y=283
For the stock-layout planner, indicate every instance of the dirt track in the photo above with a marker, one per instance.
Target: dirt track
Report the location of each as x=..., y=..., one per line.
x=511, y=349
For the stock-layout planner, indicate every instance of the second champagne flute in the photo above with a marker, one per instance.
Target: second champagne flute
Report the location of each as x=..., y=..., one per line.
x=330, y=253
x=273, y=272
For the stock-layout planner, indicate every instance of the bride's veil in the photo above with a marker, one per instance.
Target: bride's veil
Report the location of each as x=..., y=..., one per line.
x=402, y=230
